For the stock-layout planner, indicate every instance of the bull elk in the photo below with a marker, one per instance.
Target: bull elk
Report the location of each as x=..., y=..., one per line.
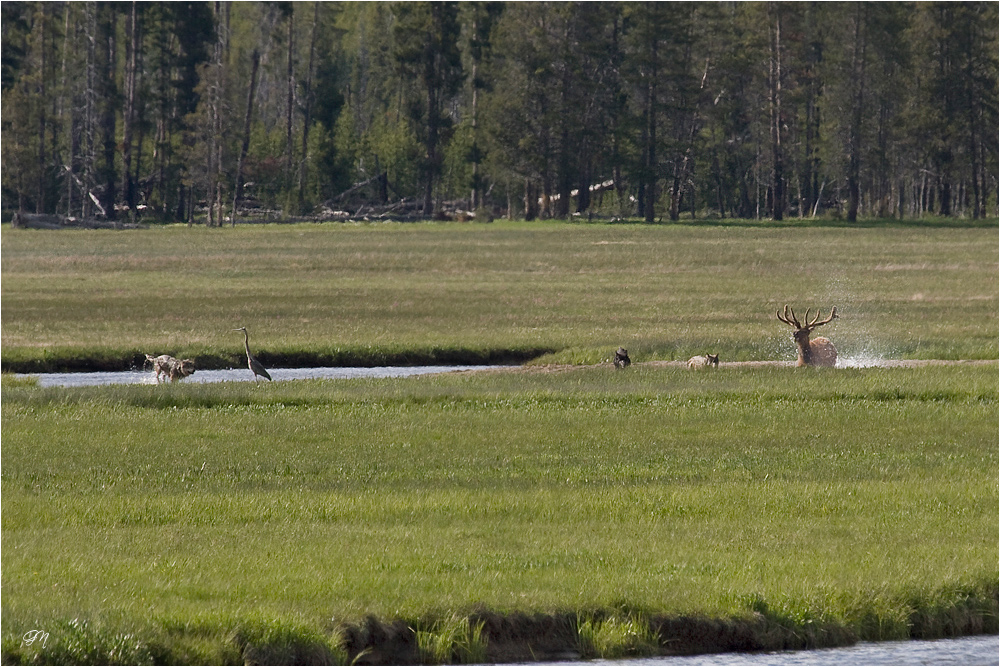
x=816, y=352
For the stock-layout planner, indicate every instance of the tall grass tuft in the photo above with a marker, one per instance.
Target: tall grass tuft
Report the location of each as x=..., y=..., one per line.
x=282, y=643
x=77, y=642
x=10, y=381
x=613, y=638
x=954, y=610
x=455, y=640
x=791, y=624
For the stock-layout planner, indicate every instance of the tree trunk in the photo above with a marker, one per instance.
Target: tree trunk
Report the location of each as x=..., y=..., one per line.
x=108, y=95
x=676, y=192
x=431, y=156
x=128, y=115
x=222, y=13
x=474, y=198
x=382, y=180
x=984, y=173
x=583, y=189
x=247, y=119
x=813, y=96
x=649, y=199
x=69, y=116
x=40, y=197
x=215, y=138
x=89, y=115
x=971, y=106
x=565, y=182
x=774, y=81
x=854, y=147
x=546, y=211
x=138, y=193
x=565, y=178
x=307, y=119
x=530, y=200
x=945, y=196
x=290, y=96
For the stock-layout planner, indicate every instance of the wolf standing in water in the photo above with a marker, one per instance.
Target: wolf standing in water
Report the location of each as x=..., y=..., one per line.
x=168, y=366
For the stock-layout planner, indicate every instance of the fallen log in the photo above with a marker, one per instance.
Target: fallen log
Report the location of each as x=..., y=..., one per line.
x=22, y=220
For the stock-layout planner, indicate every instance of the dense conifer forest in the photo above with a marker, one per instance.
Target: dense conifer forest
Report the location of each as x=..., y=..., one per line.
x=187, y=111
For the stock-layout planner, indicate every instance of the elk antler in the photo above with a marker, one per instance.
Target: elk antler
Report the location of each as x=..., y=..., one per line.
x=789, y=320
x=815, y=323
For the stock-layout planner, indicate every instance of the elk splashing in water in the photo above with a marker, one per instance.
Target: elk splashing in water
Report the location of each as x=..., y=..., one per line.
x=816, y=352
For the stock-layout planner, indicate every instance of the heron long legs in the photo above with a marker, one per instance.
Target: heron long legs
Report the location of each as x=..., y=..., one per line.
x=254, y=365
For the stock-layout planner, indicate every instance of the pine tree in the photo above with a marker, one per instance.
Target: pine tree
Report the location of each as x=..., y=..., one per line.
x=426, y=47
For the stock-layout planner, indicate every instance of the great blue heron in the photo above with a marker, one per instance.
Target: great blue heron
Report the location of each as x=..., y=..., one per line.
x=252, y=363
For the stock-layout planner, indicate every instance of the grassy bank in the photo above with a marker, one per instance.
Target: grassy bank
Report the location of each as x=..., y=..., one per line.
x=350, y=294
x=72, y=359
x=653, y=508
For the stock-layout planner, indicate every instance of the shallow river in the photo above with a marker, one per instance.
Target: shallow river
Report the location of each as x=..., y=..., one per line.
x=244, y=375
x=978, y=650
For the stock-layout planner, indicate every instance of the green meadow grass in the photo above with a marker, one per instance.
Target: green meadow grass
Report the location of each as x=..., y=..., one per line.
x=237, y=523
x=864, y=497
x=344, y=294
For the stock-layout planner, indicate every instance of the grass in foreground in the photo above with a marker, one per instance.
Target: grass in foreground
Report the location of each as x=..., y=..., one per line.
x=858, y=499
x=338, y=294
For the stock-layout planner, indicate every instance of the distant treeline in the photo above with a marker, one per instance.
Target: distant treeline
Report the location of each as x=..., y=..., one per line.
x=189, y=110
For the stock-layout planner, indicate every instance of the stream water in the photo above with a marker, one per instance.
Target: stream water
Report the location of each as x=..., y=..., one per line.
x=976, y=650
x=244, y=375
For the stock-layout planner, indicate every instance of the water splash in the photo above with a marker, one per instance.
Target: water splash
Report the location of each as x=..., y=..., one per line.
x=864, y=359
x=856, y=333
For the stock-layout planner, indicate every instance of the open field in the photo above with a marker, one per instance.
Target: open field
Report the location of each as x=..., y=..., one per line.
x=852, y=497
x=339, y=294
x=478, y=515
